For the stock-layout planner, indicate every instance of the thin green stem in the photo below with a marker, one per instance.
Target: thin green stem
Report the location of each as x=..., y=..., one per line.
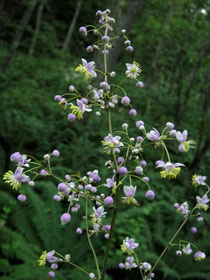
x=89, y=241
x=166, y=150
x=138, y=263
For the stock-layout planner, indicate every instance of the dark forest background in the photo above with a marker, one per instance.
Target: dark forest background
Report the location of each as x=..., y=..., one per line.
x=40, y=46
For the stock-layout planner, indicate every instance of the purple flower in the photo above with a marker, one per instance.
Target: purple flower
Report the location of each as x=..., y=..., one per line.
x=54, y=266
x=184, y=208
x=106, y=228
x=140, y=84
x=50, y=257
x=109, y=182
x=89, y=49
x=71, y=117
x=143, y=163
x=65, y=218
x=129, y=191
x=56, y=153
x=87, y=68
x=57, y=197
x=108, y=200
x=98, y=214
x=173, y=133
x=121, y=265
x=139, y=170
x=129, y=49
x=125, y=100
x=120, y=160
x=153, y=135
x=187, y=250
x=51, y=274
x=139, y=138
x=15, y=157
x=129, y=245
x=176, y=205
x=62, y=187
x=129, y=264
x=94, y=176
x=105, y=39
x=105, y=86
x=111, y=143
x=44, y=172
x=150, y=195
x=181, y=137
x=83, y=30
x=21, y=197
x=79, y=231
x=198, y=180
x=122, y=170
x=202, y=202
x=133, y=112
x=170, y=125
x=170, y=170
x=145, y=266
x=193, y=229
x=139, y=124
x=58, y=98
x=199, y=256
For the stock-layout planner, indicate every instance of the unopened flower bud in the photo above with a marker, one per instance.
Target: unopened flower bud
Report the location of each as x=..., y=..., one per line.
x=170, y=125
x=51, y=274
x=56, y=153
x=83, y=30
x=129, y=49
x=150, y=195
x=79, y=231
x=133, y=112
x=65, y=218
x=21, y=197
x=89, y=49
x=71, y=117
x=108, y=200
x=112, y=74
x=125, y=126
x=71, y=88
x=58, y=98
x=125, y=100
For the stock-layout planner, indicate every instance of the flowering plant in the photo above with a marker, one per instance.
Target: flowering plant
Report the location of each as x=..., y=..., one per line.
x=126, y=164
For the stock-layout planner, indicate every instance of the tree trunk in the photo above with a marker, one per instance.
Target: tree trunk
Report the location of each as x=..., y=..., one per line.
x=71, y=27
x=19, y=34
x=201, y=55
x=36, y=32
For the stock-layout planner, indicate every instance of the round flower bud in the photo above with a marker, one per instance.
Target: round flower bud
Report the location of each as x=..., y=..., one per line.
x=120, y=160
x=108, y=200
x=89, y=49
x=62, y=187
x=145, y=179
x=44, y=172
x=125, y=100
x=99, y=13
x=140, y=84
x=83, y=30
x=193, y=229
x=143, y=163
x=159, y=162
x=105, y=39
x=31, y=183
x=93, y=189
x=200, y=219
x=104, y=85
x=58, y=98
x=54, y=266
x=123, y=170
x=150, y=195
x=139, y=139
x=178, y=253
x=88, y=187
x=123, y=31
x=170, y=125
x=71, y=117
x=152, y=275
x=98, y=113
x=125, y=126
x=56, y=153
x=127, y=42
x=106, y=228
x=51, y=274
x=47, y=156
x=139, y=170
x=129, y=49
x=57, y=197
x=21, y=197
x=132, y=112
x=176, y=205
x=67, y=177
x=112, y=74
x=139, y=123
x=65, y=218
x=84, y=100
x=106, y=235
x=79, y=231
x=92, y=275
x=173, y=133
x=121, y=265
x=117, y=150
x=71, y=88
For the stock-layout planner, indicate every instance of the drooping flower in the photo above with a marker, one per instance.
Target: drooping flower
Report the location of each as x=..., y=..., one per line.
x=19, y=159
x=184, y=145
x=133, y=70
x=187, y=250
x=199, y=256
x=153, y=135
x=15, y=179
x=129, y=264
x=111, y=142
x=50, y=257
x=42, y=258
x=109, y=182
x=184, y=208
x=202, y=202
x=145, y=266
x=129, y=191
x=80, y=109
x=170, y=170
x=98, y=214
x=129, y=245
x=87, y=69
x=198, y=180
